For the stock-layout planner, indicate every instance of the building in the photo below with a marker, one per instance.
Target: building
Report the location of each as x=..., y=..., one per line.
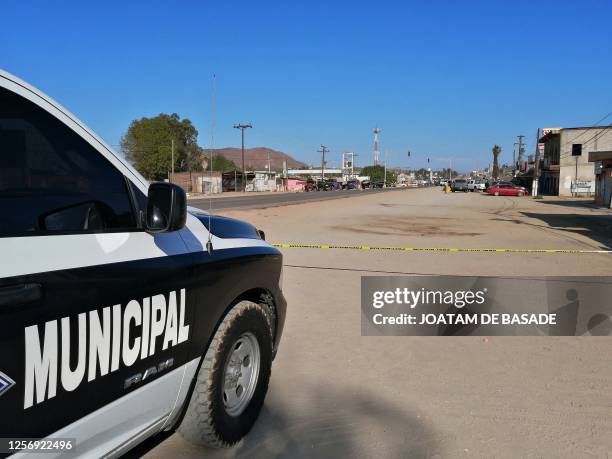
x=602, y=161
x=198, y=182
x=402, y=178
x=294, y=184
x=314, y=172
x=262, y=181
x=565, y=167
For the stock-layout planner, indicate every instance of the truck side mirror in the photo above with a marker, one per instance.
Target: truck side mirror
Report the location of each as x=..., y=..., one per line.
x=166, y=208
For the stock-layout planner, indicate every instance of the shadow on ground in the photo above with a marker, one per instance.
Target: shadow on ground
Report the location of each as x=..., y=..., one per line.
x=574, y=203
x=330, y=423
x=596, y=227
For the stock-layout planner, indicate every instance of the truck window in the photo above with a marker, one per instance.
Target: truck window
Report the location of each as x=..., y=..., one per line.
x=53, y=181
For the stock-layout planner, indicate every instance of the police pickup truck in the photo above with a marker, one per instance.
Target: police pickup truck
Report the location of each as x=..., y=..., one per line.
x=124, y=315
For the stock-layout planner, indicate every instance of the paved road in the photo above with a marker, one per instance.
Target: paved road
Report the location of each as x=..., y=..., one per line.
x=258, y=201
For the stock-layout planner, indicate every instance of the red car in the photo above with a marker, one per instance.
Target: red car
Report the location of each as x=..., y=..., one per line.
x=503, y=189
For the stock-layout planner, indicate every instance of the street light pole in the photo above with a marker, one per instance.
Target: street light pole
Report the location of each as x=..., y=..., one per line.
x=242, y=127
x=323, y=150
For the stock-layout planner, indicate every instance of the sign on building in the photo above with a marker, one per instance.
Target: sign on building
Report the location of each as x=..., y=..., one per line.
x=583, y=186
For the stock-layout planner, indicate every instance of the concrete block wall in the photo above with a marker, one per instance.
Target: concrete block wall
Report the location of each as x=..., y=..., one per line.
x=586, y=171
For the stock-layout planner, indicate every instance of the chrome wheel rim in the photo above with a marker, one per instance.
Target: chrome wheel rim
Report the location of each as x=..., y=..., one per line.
x=241, y=374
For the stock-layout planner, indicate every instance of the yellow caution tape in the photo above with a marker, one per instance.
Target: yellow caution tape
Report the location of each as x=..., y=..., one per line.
x=432, y=249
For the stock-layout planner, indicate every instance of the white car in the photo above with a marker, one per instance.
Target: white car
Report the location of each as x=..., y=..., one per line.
x=476, y=185
x=122, y=317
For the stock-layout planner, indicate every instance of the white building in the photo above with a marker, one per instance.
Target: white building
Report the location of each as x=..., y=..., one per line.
x=565, y=168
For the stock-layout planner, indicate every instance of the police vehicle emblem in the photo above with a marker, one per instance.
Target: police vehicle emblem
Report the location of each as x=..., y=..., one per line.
x=5, y=383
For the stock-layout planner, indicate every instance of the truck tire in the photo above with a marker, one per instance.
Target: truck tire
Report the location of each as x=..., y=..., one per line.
x=232, y=381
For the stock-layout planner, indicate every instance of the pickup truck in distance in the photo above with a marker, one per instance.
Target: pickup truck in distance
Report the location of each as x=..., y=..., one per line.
x=124, y=314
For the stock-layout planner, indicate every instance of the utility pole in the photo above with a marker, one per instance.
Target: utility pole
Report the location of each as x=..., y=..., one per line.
x=172, y=149
x=242, y=127
x=385, y=179
x=323, y=150
x=536, y=169
x=521, y=151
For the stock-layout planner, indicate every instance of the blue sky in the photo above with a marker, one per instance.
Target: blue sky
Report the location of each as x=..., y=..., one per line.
x=441, y=79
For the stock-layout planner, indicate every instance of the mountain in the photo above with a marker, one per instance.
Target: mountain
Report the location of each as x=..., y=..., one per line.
x=257, y=158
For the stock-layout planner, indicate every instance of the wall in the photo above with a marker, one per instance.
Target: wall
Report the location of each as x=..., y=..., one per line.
x=207, y=184
x=197, y=182
x=567, y=172
x=295, y=185
x=603, y=195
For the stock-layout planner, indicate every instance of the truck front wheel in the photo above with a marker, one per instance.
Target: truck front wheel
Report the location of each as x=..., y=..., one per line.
x=232, y=381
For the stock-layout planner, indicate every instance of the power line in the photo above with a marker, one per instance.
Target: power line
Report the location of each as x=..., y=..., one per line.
x=566, y=144
x=595, y=123
x=595, y=137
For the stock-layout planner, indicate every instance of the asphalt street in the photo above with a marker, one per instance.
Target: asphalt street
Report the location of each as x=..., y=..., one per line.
x=263, y=200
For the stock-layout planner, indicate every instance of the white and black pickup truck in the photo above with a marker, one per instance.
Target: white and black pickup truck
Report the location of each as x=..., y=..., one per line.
x=122, y=318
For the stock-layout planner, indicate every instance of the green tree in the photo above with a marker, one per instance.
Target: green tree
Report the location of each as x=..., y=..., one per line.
x=447, y=172
x=147, y=144
x=421, y=174
x=377, y=174
x=220, y=163
x=496, y=152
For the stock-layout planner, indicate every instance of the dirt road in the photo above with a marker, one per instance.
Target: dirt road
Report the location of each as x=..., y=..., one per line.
x=335, y=393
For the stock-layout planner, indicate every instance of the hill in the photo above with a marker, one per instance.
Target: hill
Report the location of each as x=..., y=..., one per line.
x=257, y=158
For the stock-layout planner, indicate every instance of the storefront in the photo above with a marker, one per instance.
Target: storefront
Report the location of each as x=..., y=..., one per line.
x=602, y=161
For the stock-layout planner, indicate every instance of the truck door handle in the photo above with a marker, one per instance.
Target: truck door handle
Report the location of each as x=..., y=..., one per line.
x=14, y=295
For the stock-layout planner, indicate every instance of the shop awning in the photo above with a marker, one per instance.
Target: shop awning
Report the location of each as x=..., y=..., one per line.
x=599, y=155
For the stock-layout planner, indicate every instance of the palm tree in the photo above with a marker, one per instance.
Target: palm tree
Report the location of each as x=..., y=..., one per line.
x=496, y=152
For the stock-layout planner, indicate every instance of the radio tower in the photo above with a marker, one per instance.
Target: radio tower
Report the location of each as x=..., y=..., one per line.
x=376, y=131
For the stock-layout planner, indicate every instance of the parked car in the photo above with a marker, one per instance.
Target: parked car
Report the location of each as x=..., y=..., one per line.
x=506, y=189
x=333, y=184
x=310, y=185
x=476, y=185
x=459, y=185
x=90, y=251
x=326, y=185
x=351, y=185
x=490, y=183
